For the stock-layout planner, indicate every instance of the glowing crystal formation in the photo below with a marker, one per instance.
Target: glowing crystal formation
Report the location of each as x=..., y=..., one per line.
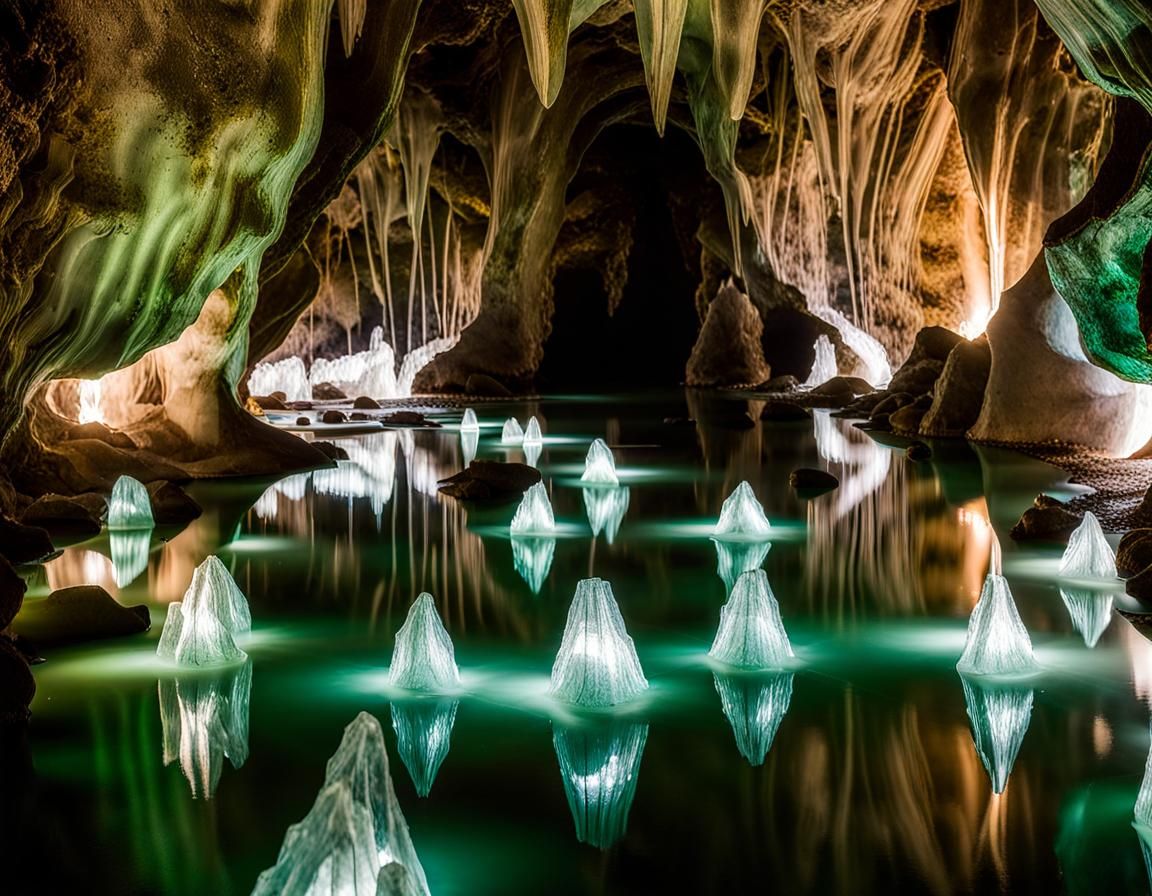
x=735, y=558
x=600, y=766
x=1091, y=612
x=600, y=465
x=751, y=634
x=1000, y=715
x=534, y=515
x=512, y=434
x=423, y=735
x=532, y=434
x=606, y=508
x=129, y=554
x=469, y=443
x=1142, y=812
x=130, y=507
x=1088, y=555
x=754, y=705
x=202, y=629
x=532, y=557
x=90, y=410
x=205, y=721
x=597, y=663
x=288, y=376
x=824, y=367
x=532, y=452
x=469, y=423
x=998, y=642
x=371, y=372
x=423, y=658
x=354, y=832
x=742, y=517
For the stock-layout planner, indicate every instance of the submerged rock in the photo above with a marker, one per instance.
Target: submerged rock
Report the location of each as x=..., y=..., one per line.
x=66, y=516
x=809, y=480
x=333, y=417
x=77, y=614
x=918, y=451
x=364, y=403
x=171, y=505
x=488, y=479
x=1134, y=553
x=1047, y=520
x=728, y=350
x=785, y=383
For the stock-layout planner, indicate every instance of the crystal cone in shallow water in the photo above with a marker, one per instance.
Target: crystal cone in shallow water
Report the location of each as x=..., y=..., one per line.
x=999, y=715
x=423, y=729
x=532, y=434
x=130, y=507
x=201, y=630
x=597, y=664
x=751, y=633
x=754, y=705
x=353, y=830
x=469, y=423
x=534, y=515
x=998, y=642
x=1088, y=555
x=512, y=434
x=424, y=658
x=742, y=516
x=600, y=465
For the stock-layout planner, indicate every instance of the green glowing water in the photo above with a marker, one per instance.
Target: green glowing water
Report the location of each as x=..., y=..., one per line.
x=870, y=781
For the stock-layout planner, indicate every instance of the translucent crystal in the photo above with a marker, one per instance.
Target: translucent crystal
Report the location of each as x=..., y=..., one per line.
x=201, y=630
x=600, y=766
x=371, y=372
x=742, y=516
x=824, y=367
x=735, y=558
x=534, y=515
x=512, y=434
x=1091, y=612
x=751, y=634
x=130, y=507
x=1000, y=715
x=532, y=434
x=423, y=735
x=469, y=423
x=597, y=663
x=606, y=508
x=423, y=658
x=532, y=452
x=205, y=721
x=469, y=443
x=755, y=706
x=998, y=643
x=532, y=557
x=396, y=880
x=1142, y=813
x=1088, y=555
x=129, y=554
x=353, y=830
x=288, y=376
x=600, y=465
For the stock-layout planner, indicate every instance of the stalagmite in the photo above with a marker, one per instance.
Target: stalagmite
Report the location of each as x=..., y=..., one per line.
x=1000, y=715
x=751, y=634
x=998, y=642
x=129, y=508
x=534, y=515
x=423, y=658
x=658, y=26
x=606, y=508
x=600, y=465
x=1088, y=555
x=288, y=376
x=201, y=630
x=354, y=831
x=824, y=367
x=423, y=736
x=597, y=664
x=754, y=705
x=742, y=517
x=512, y=434
x=469, y=423
x=532, y=434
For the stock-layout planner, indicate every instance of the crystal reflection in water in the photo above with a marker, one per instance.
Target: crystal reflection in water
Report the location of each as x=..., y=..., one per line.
x=1142, y=816
x=1000, y=714
x=755, y=706
x=736, y=558
x=423, y=735
x=600, y=765
x=1091, y=612
x=532, y=557
x=469, y=443
x=606, y=508
x=205, y=720
x=129, y=553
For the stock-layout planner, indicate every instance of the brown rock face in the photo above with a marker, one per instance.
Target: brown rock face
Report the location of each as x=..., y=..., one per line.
x=485, y=479
x=171, y=505
x=728, y=350
x=959, y=392
x=1134, y=553
x=61, y=515
x=12, y=590
x=1047, y=520
x=80, y=613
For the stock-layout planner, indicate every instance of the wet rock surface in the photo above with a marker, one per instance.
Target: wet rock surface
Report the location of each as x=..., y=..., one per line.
x=78, y=614
x=171, y=505
x=810, y=480
x=487, y=480
x=61, y=515
x=23, y=544
x=1047, y=520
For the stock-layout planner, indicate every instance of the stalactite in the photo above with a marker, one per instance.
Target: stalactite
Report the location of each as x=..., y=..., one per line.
x=352, y=13
x=544, y=27
x=736, y=27
x=658, y=25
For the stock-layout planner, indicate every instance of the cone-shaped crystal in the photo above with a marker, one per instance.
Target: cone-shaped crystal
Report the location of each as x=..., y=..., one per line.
x=755, y=706
x=600, y=465
x=998, y=643
x=999, y=715
x=1142, y=814
x=423, y=658
x=423, y=735
x=1088, y=555
x=606, y=508
x=824, y=366
x=736, y=558
x=534, y=515
x=532, y=557
x=469, y=423
x=597, y=663
x=742, y=516
x=202, y=629
x=354, y=828
x=1091, y=612
x=205, y=721
x=129, y=554
x=469, y=443
x=396, y=880
x=130, y=507
x=751, y=633
x=600, y=765
x=532, y=434
x=512, y=434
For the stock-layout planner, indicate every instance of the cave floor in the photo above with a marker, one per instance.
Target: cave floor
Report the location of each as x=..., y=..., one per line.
x=871, y=778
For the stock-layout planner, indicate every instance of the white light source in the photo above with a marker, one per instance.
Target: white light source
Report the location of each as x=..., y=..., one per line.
x=534, y=515
x=600, y=465
x=824, y=365
x=130, y=507
x=90, y=410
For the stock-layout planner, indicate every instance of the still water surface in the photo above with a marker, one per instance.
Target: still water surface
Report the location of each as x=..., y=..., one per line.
x=856, y=774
